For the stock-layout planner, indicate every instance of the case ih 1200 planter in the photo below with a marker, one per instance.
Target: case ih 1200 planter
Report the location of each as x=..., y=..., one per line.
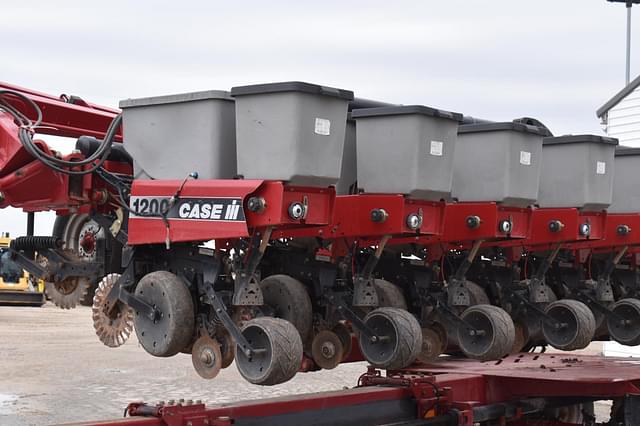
x=276, y=224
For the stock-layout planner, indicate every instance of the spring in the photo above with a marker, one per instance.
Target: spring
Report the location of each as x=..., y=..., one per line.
x=36, y=243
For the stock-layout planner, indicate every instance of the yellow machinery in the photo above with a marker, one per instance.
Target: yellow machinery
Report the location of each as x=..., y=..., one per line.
x=16, y=287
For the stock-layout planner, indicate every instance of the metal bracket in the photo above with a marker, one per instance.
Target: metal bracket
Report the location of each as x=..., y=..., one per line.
x=114, y=227
x=210, y=274
x=458, y=294
x=349, y=315
x=364, y=292
x=247, y=290
x=538, y=291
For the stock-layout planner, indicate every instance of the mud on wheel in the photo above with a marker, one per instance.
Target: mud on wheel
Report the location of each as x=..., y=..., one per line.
x=488, y=334
x=571, y=325
x=171, y=329
x=278, y=351
x=398, y=338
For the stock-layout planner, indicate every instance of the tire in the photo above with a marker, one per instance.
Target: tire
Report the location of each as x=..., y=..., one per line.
x=69, y=228
x=172, y=332
x=290, y=301
x=283, y=356
x=627, y=333
x=404, y=338
x=389, y=295
x=581, y=325
x=498, y=337
x=477, y=294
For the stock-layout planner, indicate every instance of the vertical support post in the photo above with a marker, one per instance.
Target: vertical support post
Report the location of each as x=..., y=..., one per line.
x=30, y=223
x=628, y=70
x=31, y=219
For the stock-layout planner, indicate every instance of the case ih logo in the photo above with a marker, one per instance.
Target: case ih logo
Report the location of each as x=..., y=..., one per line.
x=218, y=209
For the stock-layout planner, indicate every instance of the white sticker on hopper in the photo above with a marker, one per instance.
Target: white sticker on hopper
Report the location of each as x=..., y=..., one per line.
x=323, y=126
x=601, y=167
x=525, y=158
x=436, y=148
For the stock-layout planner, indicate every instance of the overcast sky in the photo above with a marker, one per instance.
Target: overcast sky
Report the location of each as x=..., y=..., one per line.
x=554, y=60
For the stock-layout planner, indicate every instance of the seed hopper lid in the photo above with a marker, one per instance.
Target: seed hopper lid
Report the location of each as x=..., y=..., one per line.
x=291, y=86
x=178, y=98
x=569, y=139
x=406, y=110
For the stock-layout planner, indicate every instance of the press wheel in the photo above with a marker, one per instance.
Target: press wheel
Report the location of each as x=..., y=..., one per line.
x=489, y=335
x=172, y=329
x=399, y=338
x=279, y=354
x=327, y=349
x=624, y=324
x=206, y=357
x=571, y=325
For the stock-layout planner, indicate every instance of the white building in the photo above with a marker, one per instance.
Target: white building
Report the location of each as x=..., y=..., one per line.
x=620, y=116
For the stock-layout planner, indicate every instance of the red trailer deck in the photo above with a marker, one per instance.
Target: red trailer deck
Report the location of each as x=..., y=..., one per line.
x=524, y=389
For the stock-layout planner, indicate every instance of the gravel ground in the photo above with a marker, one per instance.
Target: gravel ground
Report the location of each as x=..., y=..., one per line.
x=53, y=370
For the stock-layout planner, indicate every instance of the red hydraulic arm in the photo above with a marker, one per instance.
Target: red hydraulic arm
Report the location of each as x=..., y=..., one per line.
x=27, y=183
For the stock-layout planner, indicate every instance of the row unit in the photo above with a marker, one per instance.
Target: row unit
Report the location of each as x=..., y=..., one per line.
x=306, y=135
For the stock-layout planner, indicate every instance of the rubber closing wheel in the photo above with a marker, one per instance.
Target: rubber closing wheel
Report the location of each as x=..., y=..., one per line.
x=489, y=335
x=624, y=323
x=571, y=325
x=399, y=338
x=288, y=298
x=279, y=354
x=172, y=329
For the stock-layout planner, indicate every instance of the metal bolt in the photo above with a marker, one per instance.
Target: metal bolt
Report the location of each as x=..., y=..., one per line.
x=555, y=226
x=505, y=226
x=296, y=210
x=414, y=221
x=473, y=222
x=585, y=229
x=256, y=204
x=379, y=215
x=328, y=350
x=623, y=230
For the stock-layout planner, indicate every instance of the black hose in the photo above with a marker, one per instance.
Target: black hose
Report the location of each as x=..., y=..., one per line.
x=28, y=128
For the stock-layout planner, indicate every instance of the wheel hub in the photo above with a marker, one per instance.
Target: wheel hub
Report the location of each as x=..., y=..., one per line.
x=328, y=349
